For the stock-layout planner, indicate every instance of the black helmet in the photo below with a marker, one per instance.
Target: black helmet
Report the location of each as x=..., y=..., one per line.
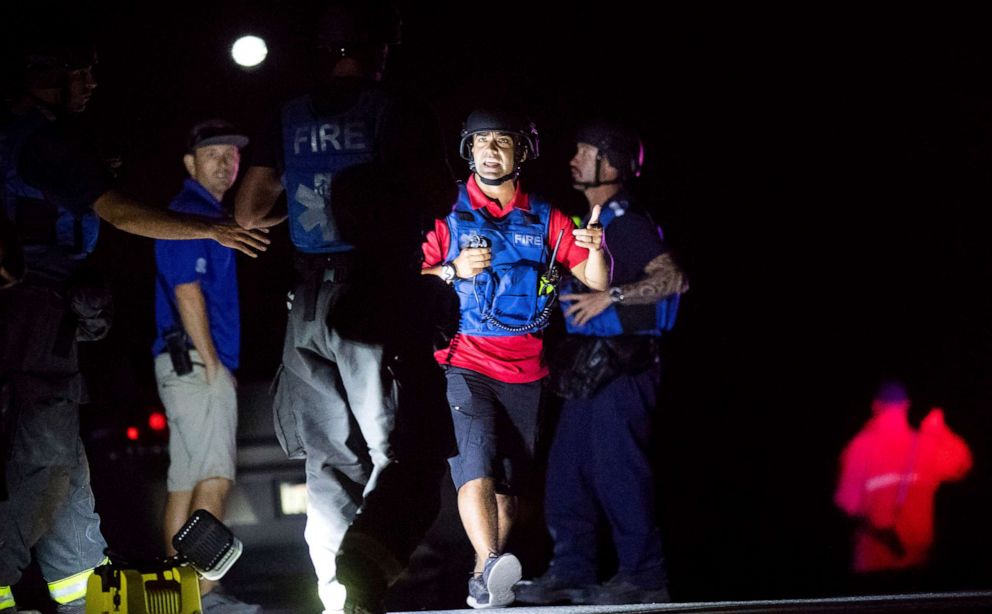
x=46, y=61
x=499, y=120
x=618, y=144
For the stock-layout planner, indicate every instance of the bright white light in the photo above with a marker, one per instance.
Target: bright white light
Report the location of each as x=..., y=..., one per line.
x=292, y=498
x=249, y=51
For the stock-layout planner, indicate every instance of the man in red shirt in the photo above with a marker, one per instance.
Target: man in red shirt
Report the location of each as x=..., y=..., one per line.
x=889, y=475
x=493, y=248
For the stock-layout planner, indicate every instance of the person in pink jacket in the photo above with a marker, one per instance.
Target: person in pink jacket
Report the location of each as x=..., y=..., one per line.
x=889, y=475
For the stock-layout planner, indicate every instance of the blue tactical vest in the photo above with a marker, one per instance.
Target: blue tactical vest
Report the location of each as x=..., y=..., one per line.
x=314, y=149
x=49, y=233
x=607, y=323
x=507, y=291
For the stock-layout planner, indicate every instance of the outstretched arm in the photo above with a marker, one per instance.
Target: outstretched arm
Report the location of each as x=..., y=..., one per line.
x=137, y=218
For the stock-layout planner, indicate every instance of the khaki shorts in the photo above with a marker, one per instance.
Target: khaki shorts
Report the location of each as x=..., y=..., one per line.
x=203, y=423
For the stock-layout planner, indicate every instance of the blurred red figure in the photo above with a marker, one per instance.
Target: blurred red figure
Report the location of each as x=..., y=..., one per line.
x=889, y=475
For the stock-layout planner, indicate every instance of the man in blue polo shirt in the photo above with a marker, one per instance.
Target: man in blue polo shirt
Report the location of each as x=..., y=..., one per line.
x=196, y=348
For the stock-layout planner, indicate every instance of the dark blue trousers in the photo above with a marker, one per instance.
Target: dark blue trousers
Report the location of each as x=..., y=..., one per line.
x=598, y=469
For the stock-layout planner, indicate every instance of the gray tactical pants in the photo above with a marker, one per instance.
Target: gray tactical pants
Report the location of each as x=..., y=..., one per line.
x=347, y=407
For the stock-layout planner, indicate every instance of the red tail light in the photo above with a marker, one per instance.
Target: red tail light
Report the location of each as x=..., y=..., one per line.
x=156, y=421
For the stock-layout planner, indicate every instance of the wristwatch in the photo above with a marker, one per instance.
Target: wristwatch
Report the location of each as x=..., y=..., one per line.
x=616, y=295
x=448, y=273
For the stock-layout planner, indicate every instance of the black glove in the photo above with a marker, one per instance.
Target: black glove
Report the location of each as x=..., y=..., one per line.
x=93, y=306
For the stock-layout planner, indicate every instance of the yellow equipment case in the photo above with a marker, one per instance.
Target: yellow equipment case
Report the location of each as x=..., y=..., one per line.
x=112, y=590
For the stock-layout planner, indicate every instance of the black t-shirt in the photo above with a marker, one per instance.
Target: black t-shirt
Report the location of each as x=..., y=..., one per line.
x=633, y=240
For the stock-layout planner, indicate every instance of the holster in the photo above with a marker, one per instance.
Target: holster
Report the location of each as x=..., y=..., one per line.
x=93, y=307
x=581, y=366
x=89, y=311
x=176, y=343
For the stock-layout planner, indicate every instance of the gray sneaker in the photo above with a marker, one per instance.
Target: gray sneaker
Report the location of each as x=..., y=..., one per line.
x=494, y=588
x=218, y=601
x=478, y=596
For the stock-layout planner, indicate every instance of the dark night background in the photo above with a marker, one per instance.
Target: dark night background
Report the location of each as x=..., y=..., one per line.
x=823, y=177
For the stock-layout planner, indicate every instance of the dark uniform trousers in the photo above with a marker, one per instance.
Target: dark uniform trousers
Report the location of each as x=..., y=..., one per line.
x=598, y=465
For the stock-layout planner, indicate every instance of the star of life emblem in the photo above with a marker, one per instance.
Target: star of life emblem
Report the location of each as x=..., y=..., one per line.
x=317, y=211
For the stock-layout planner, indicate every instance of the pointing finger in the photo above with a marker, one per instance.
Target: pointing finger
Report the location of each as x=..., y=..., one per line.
x=594, y=218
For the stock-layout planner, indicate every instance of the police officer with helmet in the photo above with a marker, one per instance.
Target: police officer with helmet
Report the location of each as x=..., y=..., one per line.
x=606, y=370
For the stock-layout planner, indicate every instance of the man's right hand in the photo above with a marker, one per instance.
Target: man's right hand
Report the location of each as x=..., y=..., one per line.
x=211, y=369
x=471, y=261
x=215, y=370
x=249, y=242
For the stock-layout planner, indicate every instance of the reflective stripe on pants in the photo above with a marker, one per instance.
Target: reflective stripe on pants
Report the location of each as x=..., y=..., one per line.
x=6, y=598
x=72, y=588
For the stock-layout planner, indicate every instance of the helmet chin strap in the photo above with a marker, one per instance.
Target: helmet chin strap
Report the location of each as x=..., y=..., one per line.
x=494, y=182
x=585, y=185
x=520, y=153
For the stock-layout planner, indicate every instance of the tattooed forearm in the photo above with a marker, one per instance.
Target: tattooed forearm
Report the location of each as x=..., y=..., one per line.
x=664, y=277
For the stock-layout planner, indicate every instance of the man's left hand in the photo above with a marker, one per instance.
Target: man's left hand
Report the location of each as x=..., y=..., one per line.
x=590, y=237
x=586, y=306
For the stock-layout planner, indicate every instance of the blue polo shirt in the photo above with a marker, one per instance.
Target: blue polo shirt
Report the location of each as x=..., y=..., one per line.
x=205, y=261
